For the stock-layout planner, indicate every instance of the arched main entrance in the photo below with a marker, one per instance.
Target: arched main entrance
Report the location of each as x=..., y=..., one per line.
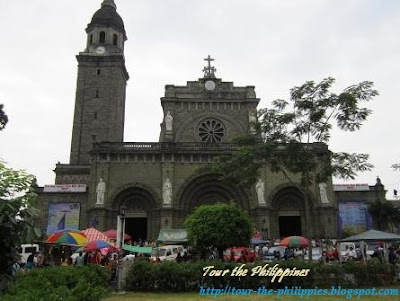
x=139, y=218
x=208, y=189
x=289, y=213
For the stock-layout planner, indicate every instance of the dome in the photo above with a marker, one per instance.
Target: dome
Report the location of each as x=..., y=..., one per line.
x=107, y=16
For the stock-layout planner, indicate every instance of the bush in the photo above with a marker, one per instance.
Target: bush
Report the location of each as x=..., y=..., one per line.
x=185, y=277
x=88, y=283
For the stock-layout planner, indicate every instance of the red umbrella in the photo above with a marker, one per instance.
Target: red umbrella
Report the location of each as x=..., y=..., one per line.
x=112, y=234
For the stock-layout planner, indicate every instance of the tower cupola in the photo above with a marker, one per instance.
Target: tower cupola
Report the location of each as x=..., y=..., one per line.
x=106, y=30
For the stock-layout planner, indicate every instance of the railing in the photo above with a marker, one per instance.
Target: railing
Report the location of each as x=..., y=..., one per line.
x=180, y=146
x=160, y=146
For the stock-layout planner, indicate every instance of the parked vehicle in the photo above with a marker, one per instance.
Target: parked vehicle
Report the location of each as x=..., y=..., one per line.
x=371, y=247
x=271, y=254
x=240, y=254
x=166, y=253
x=348, y=245
x=316, y=254
x=25, y=250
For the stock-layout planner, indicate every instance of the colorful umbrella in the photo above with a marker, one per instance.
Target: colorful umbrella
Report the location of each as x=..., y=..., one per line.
x=105, y=251
x=112, y=234
x=294, y=241
x=94, y=234
x=96, y=245
x=67, y=237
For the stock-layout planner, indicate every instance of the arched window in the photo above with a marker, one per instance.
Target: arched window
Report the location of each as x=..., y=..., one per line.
x=91, y=39
x=102, y=37
x=115, y=40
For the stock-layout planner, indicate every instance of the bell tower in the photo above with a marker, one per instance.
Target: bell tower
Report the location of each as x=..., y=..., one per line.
x=101, y=84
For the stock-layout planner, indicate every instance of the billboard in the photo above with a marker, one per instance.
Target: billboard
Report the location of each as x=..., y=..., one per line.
x=65, y=188
x=63, y=216
x=353, y=217
x=350, y=187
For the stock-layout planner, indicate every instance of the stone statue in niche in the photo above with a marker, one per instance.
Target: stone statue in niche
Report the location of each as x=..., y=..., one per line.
x=260, y=188
x=323, y=193
x=100, y=191
x=168, y=121
x=252, y=122
x=167, y=192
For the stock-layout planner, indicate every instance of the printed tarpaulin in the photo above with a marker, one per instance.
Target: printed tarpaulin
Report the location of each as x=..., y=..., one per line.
x=172, y=236
x=135, y=249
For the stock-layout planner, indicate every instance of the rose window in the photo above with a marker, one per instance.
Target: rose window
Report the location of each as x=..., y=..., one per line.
x=211, y=131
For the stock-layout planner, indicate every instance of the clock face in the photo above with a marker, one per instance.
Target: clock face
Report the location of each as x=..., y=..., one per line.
x=210, y=85
x=100, y=50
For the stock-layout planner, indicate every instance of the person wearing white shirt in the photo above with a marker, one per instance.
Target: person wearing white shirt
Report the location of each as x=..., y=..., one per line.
x=265, y=250
x=352, y=253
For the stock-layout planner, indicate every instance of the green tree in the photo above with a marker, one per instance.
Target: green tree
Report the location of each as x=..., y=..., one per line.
x=17, y=197
x=385, y=215
x=294, y=135
x=3, y=117
x=219, y=225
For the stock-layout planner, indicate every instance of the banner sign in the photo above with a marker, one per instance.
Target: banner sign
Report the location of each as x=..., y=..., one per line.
x=63, y=216
x=354, y=217
x=65, y=188
x=351, y=187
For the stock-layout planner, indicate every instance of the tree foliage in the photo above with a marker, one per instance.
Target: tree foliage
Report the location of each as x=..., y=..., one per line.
x=386, y=216
x=3, y=117
x=219, y=225
x=396, y=166
x=293, y=134
x=17, y=197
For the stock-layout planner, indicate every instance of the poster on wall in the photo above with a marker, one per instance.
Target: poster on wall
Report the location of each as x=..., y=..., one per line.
x=353, y=217
x=63, y=216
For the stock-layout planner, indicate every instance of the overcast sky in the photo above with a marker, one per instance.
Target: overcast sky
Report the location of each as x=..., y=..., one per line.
x=271, y=44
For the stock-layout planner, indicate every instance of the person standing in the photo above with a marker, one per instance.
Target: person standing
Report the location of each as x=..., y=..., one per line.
x=80, y=260
x=264, y=250
x=15, y=268
x=30, y=264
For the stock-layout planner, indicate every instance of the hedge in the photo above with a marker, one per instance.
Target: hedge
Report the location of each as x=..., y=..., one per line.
x=89, y=283
x=186, y=277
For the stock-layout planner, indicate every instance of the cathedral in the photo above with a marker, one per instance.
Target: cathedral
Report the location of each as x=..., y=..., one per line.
x=159, y=183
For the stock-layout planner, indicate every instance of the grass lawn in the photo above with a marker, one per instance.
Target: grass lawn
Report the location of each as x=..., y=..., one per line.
x=254, y=297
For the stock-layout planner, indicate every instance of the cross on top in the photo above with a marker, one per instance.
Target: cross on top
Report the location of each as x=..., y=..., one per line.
x=209, y=71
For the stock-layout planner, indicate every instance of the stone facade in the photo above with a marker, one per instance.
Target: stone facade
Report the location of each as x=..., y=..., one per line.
x=200, y=121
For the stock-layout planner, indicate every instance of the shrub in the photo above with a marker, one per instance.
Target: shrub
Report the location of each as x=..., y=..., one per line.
x=185, y=277
x=88, y=283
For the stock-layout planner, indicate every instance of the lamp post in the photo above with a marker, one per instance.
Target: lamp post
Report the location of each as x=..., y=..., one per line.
x=121, y=226
x=123, y=212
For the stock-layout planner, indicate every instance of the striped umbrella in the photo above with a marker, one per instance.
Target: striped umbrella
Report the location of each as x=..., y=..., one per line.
x=67, y=237
x=294, y=241
x=94, y=234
